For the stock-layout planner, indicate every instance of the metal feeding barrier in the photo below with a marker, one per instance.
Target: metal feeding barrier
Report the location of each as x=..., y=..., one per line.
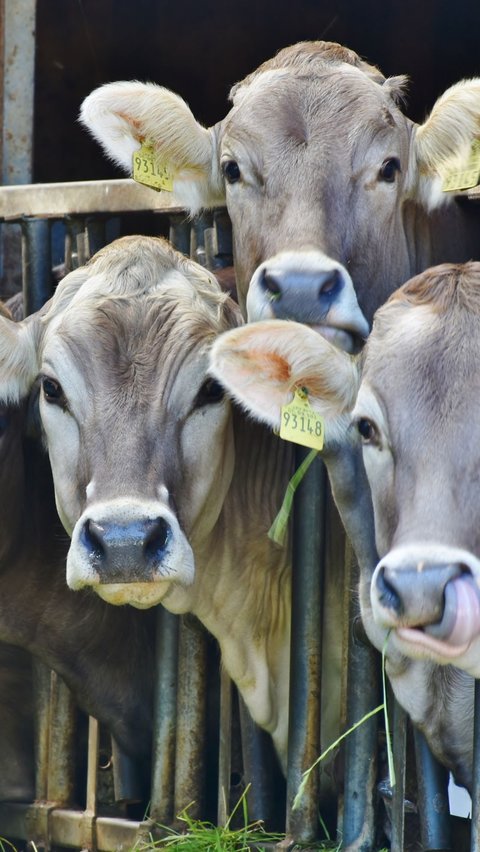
x=205, y=746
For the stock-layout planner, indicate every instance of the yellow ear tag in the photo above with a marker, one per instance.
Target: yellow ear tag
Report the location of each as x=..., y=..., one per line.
x=468, y=176
x=300, y=423
x=147, y=170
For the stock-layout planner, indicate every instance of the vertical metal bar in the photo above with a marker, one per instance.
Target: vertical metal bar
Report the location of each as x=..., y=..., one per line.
x=399, y=760
x=306, y=647
x=95, y=229
x=41, y=683
x=361, y=745
x=165, y=716
x=93, y=739
x=432, y=798
x=223, y=230
x=475, y=826
x=197, y=237
x=61, y=743
x=17, y=42
x=191, y=720
x=225, y=747
x=179, y=234
x=260, y=769
x=74, y=225
x=127, y=783
x=36, y=263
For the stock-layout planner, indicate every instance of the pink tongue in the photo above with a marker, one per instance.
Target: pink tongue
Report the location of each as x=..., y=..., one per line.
x=467, y=619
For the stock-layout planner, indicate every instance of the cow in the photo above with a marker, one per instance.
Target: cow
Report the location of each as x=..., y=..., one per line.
x=408, y=402
x=105, y=655
x=166, y=490
x=325, y=179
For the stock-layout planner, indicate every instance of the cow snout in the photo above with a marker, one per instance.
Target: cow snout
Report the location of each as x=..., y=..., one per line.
x=311, y=288
x=283, y=288
x=125, y=552
x=413, y=595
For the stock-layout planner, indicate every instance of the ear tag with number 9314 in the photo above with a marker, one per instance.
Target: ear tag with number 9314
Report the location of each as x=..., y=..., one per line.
x=147, y=170
x=300, y=423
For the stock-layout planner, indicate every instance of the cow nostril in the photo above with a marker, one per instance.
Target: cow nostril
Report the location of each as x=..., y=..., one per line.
x=92, y=537
x=271, y=285
x=330, y=283
x=387, y=595
x=157, y=538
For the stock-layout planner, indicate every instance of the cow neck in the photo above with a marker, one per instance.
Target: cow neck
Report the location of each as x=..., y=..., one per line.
x=242, y=589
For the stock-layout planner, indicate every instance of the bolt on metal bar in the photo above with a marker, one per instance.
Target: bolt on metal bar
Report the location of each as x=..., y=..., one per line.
x=165, y=716
x=36, y=264
x=306, y=646
x=475, y=823
x=432, y=799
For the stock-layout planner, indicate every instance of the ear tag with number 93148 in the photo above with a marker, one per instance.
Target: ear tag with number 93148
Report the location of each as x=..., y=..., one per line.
x=147, y=170
x=300, y=423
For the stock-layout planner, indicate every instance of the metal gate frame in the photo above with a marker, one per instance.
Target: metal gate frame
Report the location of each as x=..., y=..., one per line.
x=176, y=780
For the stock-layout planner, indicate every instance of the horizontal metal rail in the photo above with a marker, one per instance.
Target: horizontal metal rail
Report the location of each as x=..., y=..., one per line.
x=55, y=200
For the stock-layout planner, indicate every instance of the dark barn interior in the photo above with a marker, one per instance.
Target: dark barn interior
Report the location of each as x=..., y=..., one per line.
x=200, y=50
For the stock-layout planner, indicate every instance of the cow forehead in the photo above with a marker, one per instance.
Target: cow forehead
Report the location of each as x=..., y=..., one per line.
x=335, y=100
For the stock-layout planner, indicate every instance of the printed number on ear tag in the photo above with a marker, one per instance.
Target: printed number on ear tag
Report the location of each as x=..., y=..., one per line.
x=148, y=171
x=466, y=177
x=301, y=424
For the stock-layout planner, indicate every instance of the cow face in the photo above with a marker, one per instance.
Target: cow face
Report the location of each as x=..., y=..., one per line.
x=416, y=413
x=139, y=437
x=323, y=176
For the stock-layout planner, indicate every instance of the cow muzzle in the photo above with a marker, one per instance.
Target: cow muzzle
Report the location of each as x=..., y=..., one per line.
x=311, y=288
x=129, y=552
x=430, y=597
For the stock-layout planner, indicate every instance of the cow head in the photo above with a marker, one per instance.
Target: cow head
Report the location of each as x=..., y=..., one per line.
x=323, y=176
x=418, y=384
x=139, y=436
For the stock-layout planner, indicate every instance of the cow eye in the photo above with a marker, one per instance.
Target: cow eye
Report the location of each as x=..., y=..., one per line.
x=389, y=169
x=52, y=391
x=231, y=171
x=210, y=392
x=367, y=430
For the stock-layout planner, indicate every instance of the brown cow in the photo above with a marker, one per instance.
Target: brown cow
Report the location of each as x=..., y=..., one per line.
x=103, y=654
x=418, y=385
x=167, y=491
x=325, y=179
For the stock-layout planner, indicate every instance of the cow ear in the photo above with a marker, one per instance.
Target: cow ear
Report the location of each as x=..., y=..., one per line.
x=123, y=115
x=18, y=358
x=261, y=364
x=444, y=141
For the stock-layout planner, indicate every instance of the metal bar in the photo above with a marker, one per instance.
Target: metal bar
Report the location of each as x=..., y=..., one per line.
x=306, y=646
x=261, y=769
x=432, y=798
x=225, y=748
x=179, y=233
x=17, y=22
x=61, y=743
x=36, y=263
x=41, y=691
x=95, y=229
x=127, y=783
x=75, y=227
x=80, y=198
x=361, y=745
x=197, y=237
x=191, y=720
x=475, y=826
x=165, y=713
x=67, y=828
x=398, y=792
x=92, y=765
